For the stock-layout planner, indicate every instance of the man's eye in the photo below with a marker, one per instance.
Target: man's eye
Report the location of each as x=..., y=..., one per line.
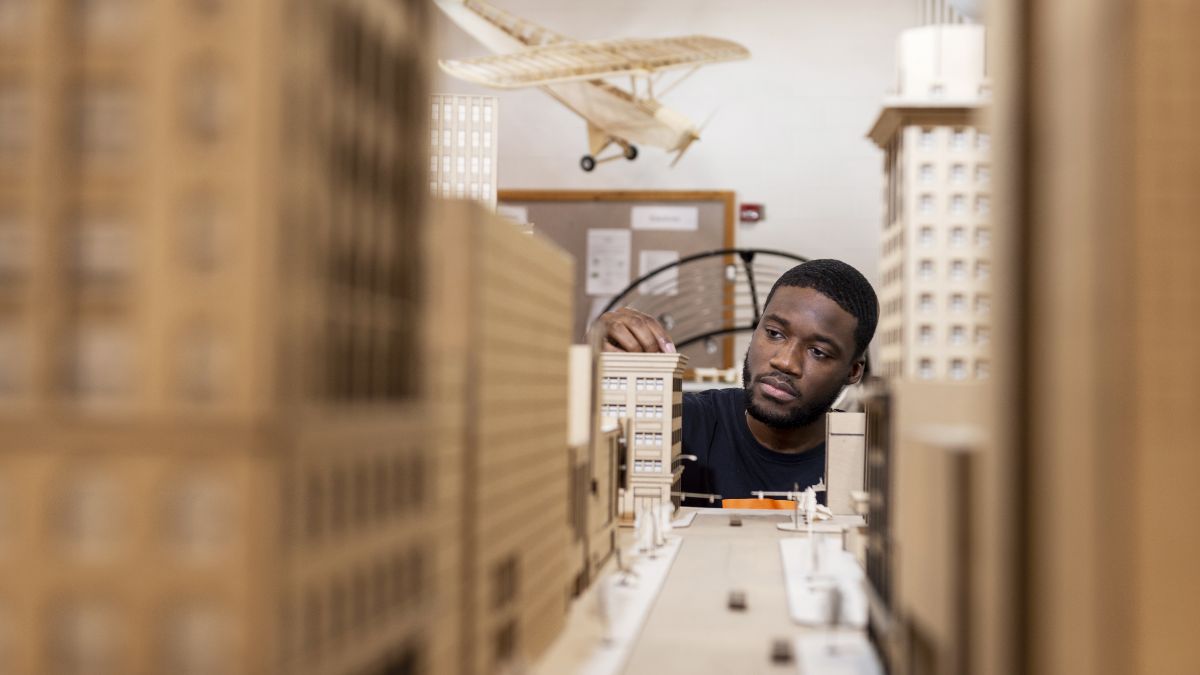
x=818, y=353
x=772, y=333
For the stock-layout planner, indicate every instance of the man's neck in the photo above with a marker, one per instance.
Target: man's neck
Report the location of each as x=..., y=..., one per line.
x=792, y=441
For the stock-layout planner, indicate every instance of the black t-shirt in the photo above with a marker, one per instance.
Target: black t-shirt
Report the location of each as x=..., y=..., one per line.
x=730, y=461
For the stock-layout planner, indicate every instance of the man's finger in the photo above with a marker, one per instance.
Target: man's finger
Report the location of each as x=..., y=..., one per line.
x=646, y=335
x=620, y=336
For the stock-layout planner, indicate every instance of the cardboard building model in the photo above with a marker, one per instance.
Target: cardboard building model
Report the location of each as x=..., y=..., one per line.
x=935, y=300
x=212, y=456
x=646, y=390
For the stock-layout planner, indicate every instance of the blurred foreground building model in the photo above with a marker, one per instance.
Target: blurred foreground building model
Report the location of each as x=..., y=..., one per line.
x=935, y=305
x=213, y=457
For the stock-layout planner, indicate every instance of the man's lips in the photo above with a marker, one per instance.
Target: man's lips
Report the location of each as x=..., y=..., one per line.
x=776, y=389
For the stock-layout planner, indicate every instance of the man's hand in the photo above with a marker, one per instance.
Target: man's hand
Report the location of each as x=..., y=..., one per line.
x=628, y=330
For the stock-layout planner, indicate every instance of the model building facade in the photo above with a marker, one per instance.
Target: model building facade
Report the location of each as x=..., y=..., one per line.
x=503, y=318
x=212, y=458
x=935, y=297
x=462, y=147
x=647, y=391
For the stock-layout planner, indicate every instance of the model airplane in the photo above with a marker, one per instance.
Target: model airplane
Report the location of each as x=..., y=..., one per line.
x=573, y=73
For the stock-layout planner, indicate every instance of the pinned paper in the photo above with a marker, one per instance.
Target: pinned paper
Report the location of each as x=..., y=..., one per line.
x=680, y=218
x=608, y=253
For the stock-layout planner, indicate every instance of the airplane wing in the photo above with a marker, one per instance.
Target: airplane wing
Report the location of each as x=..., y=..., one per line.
x=570, y=61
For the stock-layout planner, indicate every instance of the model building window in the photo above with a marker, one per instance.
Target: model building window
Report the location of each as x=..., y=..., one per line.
x=983, y=174
x=925, y=205
x=958, y=173
x=925, y=334
x=14, y=122
x=314, y=507
x=983, y=335
x=314, y=623
x=339, y=507
x=928, y=139
x=197, y=640
x=487, y=139
x=983, y=303
x=106, y=128
x=926, y=173
x=958, y=204
x=104, y=249
x=925, y=302
x=505, y=582
x=925, y=269
x=983, y=140
x=983, y=204
x=982, y=270
x=958, y=369
x=925, y=236
x=958, y=140
x=102, y=365
x=958, y=302
x=206, y=105
x=433, y=137
x=91, y=516
x=86, y=637
x=958, y=236
x=983, y=369
x=925, y=369
x=958, y=269
x=12, y=360
x=983, y=237
x=199, y=517
x=487, y=113
x=505, y=647
x=338, y=609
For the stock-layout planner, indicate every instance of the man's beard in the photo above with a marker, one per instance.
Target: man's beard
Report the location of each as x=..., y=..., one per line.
x=802, y=416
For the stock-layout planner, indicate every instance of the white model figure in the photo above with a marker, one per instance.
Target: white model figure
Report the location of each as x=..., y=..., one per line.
x=572, y=72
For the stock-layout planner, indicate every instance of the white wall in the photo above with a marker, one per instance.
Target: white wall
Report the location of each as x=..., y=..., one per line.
x=789, y=132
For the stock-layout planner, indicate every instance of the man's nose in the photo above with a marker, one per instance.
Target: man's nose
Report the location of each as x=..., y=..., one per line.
x=786, y=360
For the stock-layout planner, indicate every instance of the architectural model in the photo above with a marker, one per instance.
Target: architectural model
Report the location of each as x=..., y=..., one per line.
x=462, y=147
x=647, y=390
x=573, y=74
x=935, y=297
x=845, y=460
x=214, y=456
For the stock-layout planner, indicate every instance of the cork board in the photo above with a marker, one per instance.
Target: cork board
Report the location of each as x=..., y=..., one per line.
x=568, y=216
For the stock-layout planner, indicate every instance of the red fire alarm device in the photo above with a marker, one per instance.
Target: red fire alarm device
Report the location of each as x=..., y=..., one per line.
x=752, y=213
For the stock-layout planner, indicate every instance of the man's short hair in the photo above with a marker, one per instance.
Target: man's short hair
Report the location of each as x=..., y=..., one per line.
x=844, y=285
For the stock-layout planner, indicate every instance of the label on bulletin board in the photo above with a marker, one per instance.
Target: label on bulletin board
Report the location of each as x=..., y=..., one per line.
x=679, y=218
x=663, y=283
x=608, y=253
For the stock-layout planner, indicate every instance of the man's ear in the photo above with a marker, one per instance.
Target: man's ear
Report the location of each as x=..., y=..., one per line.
x=856, y=370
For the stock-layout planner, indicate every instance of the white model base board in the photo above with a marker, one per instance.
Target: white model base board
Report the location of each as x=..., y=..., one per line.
x=626, y=600
x=810, y=595
x=836, y=653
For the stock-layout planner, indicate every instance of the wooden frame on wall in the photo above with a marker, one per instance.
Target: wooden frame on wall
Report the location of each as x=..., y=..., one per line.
x=568, y=228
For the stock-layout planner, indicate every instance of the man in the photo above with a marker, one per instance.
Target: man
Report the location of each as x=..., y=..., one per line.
x=809, y=344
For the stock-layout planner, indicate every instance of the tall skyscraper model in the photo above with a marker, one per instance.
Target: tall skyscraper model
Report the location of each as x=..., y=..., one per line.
x=462, y=147
x=936, y=260
x=213, y=457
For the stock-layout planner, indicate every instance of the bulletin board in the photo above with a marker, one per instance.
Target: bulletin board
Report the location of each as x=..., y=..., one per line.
x=645, y=228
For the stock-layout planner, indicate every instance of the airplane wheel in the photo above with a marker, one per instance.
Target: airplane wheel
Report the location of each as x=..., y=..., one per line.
x=587, y=163
x=631, y=152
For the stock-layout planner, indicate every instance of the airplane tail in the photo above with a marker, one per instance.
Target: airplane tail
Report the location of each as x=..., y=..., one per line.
x=693, y=136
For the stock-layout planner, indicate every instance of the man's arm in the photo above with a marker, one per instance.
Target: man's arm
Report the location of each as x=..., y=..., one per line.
x=628, y=330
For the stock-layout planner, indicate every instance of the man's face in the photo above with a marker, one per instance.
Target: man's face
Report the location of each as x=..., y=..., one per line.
x=800, y=357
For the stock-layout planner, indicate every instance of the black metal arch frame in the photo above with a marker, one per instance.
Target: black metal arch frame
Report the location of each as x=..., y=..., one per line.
x=746, y=255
